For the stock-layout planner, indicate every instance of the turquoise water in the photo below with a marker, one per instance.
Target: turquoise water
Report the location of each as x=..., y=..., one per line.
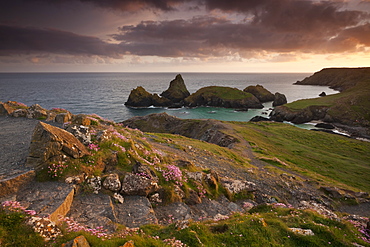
x=106, y=93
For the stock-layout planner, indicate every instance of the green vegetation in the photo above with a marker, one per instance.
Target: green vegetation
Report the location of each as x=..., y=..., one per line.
x=331, y=158
x=15, y=232
x=226, y=93
x=263, y=226
x=349, y=107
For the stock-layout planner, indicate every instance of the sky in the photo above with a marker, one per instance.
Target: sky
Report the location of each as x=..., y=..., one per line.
x=183, y=35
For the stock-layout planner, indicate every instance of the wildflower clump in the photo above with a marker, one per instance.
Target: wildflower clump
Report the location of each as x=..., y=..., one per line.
x=56, y=170
x=173, y=173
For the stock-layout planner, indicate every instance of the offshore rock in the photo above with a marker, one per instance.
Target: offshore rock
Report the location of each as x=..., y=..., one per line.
x=139, y=97
x=261, y=93
x=279, y=99
x=51, y=144
x=223, y=97
x=134, y=184
x=177, y=90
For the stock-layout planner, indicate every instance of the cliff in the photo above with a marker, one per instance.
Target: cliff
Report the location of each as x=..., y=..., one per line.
x=348, y=109
x=337, y=78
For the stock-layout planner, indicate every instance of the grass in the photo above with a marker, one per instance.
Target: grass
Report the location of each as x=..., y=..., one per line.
x=336, y=159
x=350, y=105
x=226, y=93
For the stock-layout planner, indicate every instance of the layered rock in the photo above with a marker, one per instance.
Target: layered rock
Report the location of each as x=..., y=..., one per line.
x=261, y=93
x=177, y=90
x=51, y=144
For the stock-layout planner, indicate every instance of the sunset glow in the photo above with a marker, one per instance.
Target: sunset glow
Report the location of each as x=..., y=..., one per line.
x=183, y=35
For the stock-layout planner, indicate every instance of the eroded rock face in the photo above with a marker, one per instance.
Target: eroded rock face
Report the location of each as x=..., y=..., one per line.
x=283, y=113
x=177, y=90
x=279, y=99
x=50, y=144
x=134, y=184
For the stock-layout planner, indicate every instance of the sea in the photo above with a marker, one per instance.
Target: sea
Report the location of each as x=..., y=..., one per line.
x=105, y=93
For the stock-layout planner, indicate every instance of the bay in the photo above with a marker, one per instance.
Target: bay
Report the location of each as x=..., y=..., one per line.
x=106, y=93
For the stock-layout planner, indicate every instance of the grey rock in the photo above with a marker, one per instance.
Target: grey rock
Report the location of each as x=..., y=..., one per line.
x=134, y=184
x=134, y=212
x=112, y=182
x=279, y=99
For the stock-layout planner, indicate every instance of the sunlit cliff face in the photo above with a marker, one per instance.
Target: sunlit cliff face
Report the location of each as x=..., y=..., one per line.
x=183, y=35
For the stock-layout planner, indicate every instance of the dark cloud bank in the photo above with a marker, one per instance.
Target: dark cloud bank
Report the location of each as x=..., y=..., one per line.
x=268, y=25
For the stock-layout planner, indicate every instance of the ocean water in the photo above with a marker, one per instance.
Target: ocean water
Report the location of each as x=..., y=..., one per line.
x=106, y=93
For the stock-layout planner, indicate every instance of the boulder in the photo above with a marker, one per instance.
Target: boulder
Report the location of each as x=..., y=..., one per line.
x=279, y=99
x=8, y=107
x=94, y=183
x=81, y=119
x=51, y=144
x=134, y=184
x=193, y=198
x=112, y=182
x=19, y=113
x=63, y=117
x=261, y=93
x=45, y=228
x=37, y=112
x=177, y=90
x=79, y=241
x=322, y=94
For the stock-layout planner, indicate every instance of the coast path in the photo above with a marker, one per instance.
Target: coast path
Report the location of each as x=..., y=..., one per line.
x=15, y=139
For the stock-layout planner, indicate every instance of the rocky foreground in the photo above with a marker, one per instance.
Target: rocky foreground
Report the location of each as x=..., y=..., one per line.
x=92, y=172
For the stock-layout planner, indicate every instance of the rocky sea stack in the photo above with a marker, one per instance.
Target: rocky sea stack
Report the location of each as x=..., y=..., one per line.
x=177, y=95
x=177, y=90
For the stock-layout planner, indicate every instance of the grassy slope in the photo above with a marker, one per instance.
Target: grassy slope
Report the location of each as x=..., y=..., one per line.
x=226, y=93
x=321, y=156
x=352, y=104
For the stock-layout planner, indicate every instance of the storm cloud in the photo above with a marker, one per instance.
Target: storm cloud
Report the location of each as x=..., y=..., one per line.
x=226, y=28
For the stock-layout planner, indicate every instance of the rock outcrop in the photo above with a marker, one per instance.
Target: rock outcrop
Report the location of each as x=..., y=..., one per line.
x=279, y=99
x=261, y=93
x=206, y=130
x=53, y=145
x=283, y=113
x=177, y=90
